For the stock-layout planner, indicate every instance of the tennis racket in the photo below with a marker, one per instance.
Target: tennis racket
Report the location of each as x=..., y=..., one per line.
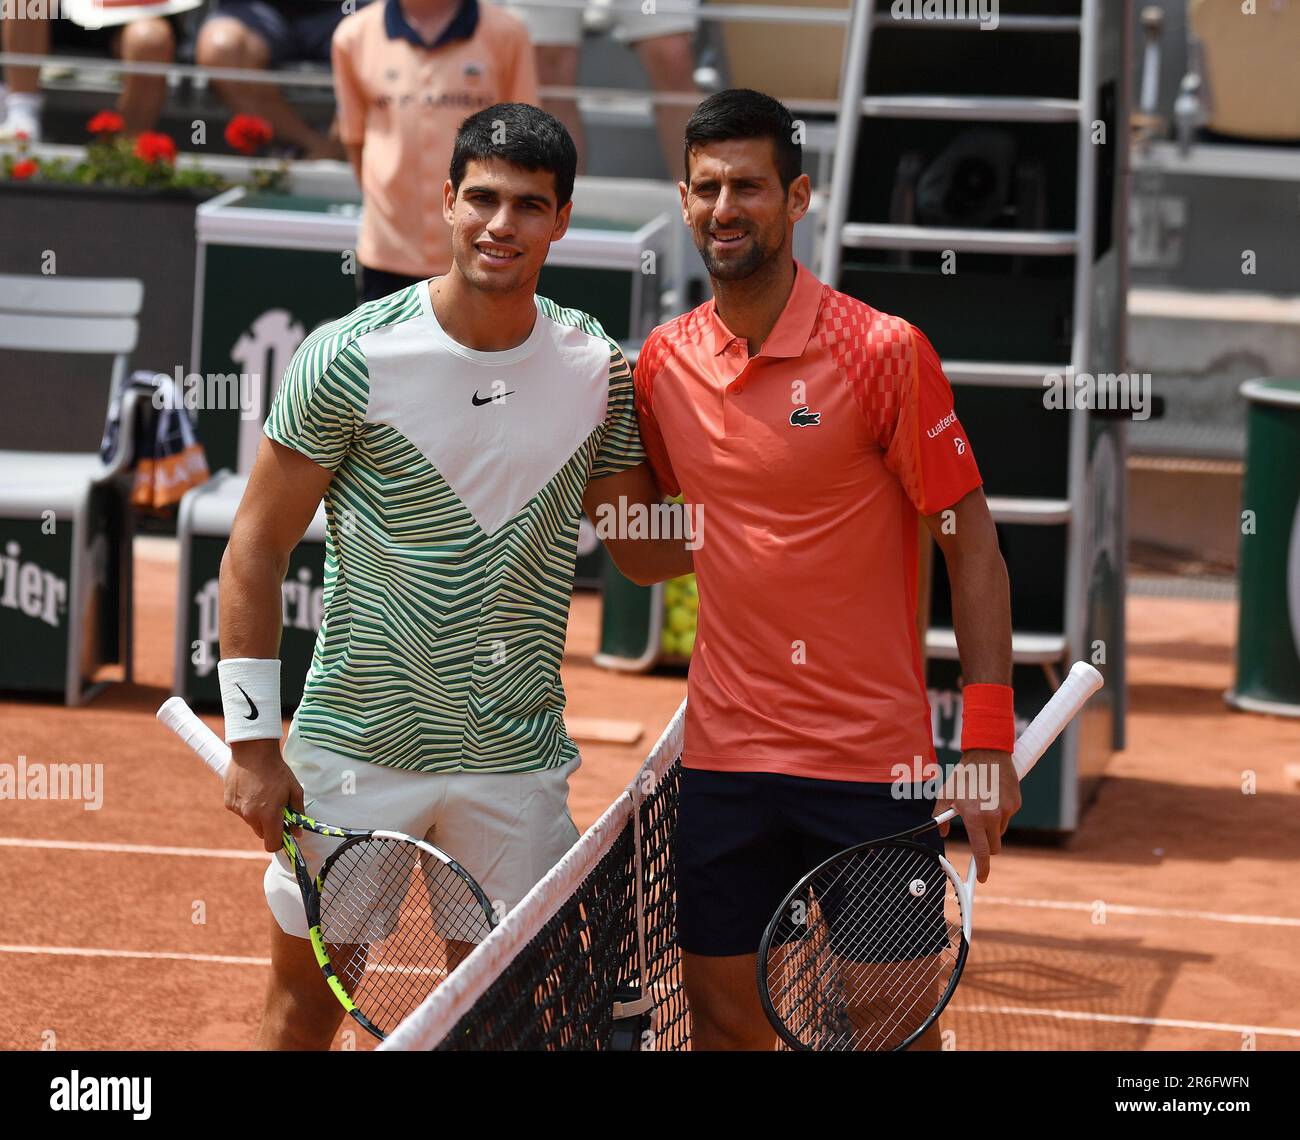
x=866, y=949
x=389, y=916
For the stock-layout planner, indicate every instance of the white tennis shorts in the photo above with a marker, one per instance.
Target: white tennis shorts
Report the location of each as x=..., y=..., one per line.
x=562, y=27
x=506, y=829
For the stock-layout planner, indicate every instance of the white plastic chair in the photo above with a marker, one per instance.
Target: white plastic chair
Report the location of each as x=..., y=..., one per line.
x=65, y=520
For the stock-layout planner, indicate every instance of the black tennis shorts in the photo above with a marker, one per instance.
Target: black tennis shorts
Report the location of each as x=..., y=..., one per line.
x=745, y=838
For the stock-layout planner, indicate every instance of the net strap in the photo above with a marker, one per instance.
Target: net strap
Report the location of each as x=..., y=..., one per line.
x=645, y=1001
x=442, y=1009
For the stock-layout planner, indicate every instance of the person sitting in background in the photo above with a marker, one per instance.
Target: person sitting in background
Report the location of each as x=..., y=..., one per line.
x=262, y=34
x=407, y=73
x=22, y=99
x=664, y=42
x=139, y=32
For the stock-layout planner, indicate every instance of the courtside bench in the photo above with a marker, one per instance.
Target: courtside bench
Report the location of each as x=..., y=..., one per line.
x=65, y=519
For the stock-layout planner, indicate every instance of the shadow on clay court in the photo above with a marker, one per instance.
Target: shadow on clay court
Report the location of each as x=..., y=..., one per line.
x=1013, y=979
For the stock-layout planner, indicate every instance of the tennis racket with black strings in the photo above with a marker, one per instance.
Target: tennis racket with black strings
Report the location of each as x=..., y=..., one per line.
x=866, y=949
x=389, y=916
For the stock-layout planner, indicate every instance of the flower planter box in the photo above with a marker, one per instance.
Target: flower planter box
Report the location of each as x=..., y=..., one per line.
x=93, y=231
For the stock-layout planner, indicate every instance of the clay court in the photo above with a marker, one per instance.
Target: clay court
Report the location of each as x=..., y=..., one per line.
x=1167, y=922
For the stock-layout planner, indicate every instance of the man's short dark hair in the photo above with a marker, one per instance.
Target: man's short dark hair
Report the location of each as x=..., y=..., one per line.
x=740, y=113
x=522, y=135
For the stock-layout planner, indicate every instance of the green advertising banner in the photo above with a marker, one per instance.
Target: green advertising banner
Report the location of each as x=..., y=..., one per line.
x=37, y=595
x=1041, y=793
x=258, y=305
x=302, y=593
x=35, y=591
x=1268, y=621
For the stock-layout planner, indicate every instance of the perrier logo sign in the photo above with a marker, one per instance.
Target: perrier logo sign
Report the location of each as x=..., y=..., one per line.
x=30, y=588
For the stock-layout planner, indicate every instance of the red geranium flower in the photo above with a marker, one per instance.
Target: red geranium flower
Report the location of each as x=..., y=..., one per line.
x=23, y=168
x=153, y=146
x=106, y=123
x=247, y=133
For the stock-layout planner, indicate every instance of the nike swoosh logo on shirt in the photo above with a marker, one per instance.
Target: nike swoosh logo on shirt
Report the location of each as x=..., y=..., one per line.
x=479, y=401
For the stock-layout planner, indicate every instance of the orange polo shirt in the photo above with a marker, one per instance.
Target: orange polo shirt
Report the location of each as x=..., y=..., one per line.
x=809, y=463
x=405, y=102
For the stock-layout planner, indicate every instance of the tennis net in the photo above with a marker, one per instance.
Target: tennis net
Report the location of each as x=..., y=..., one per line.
x=588, y=959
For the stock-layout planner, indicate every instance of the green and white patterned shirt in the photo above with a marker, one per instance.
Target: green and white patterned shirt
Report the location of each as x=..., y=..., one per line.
x=452, y=528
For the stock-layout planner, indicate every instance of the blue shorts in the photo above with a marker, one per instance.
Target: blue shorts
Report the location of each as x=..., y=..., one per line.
x=745, y=838
x=292, y=32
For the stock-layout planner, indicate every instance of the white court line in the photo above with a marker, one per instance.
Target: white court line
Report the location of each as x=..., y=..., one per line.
x=223, y=959
x=989, y=900
x=1124, y=1019
x=95, y=952
x=135, y=849
x=1152, y=911
x=1004, y=1010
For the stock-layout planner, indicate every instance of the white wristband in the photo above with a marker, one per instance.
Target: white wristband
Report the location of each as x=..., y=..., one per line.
x=250, y=698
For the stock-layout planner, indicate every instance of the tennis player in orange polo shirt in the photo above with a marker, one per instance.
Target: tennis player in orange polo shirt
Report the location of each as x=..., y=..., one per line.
x=407, y=73
x=811, y=430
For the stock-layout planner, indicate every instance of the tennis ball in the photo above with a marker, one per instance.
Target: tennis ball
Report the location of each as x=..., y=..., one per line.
x=680, y=619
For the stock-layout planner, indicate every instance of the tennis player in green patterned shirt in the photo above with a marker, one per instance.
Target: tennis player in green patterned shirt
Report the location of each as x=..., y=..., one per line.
x=456, y=431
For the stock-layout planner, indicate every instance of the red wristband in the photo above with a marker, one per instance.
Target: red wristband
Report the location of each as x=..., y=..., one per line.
x=988, y=718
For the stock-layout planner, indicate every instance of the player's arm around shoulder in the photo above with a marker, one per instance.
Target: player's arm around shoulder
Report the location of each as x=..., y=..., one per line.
x=646, y=537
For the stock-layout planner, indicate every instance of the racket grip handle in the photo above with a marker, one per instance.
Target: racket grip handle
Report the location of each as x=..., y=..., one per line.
x=1083, y=680
x=211, y=749
x=1062, y=707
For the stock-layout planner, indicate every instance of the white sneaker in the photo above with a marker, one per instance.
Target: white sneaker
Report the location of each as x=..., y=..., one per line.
x=597, y=17
x=22, y=114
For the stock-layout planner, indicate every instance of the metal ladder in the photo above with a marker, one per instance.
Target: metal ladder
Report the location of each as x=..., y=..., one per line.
x=1096, y=29
x=855, y=104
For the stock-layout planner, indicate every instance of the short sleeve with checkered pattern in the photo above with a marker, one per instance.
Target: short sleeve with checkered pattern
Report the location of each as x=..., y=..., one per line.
x=899, y=385
x=321, y=402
